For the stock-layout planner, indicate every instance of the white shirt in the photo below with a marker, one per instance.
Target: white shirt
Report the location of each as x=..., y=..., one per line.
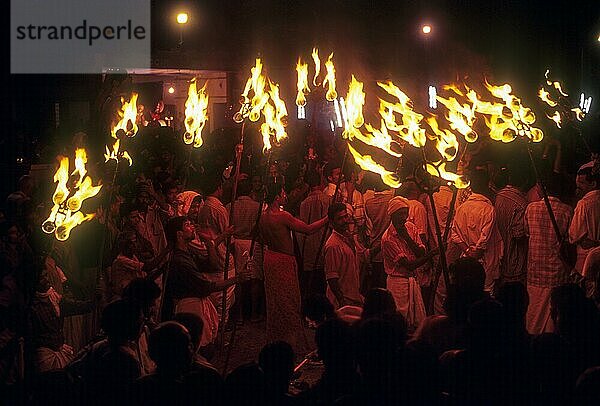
x=585, y=224
x=475, y=225
x=342, y=262
x=417, y=214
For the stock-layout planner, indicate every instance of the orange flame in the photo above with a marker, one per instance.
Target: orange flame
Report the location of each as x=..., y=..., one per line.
x=251, y=108
x=511, y=119
x=461, y=116
x=545, y=97
x=555, y=84
x=317, y=61
x=556, y=118
x=367, y=163
x=302, y=84
x=266, y=102
x=439, y=170
x=196, y=107
x=579, y=114
x=275, y=118
x=69, y=196
x=379, y=138
x=330, y=79
x=125, y=127
x=355, y=100
x=445, y=141
x=409, y=130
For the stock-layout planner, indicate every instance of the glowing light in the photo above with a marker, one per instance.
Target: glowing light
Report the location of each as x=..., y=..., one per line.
x=585, y=103
x=432, y=92
x=71, y=191
x=439, y=170
x=426, y=29
x=196, y=107
x=171, y=90
x=545, y=97
x=338, y=114
x=301, y=112
x=302, y=83
x=556, y=118
x=182, y=18
x=317, y=61
x=367, y=163
x=330, y=79
x=126, y=127
x=409, y=128
x=509, y=120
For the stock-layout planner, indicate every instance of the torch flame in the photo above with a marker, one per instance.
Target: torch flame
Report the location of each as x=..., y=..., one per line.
x=555, y=84
x=461, y=116
x=196, y=107
x=275, y=118
x=545, y=97
x=265, y=101
x=579, y=114
x=69, y=196
x=409, y=130
x=367, y=163
x=302, y=85
x=353, y=116
x=445, y=141
x=556, y=118
x=330, y=79
x=355, y=101
x=439, y=170
x=379, y=138
x=315, y=57
x=125, y=127
x=251, y=108
x=510, y=120
x=280, y=121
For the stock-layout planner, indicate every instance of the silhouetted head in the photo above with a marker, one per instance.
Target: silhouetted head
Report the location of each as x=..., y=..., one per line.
x=170, y=348
x=143, y=292
x=276, y=360
x=379, y=302
x=194, y=325
x=334, y=341
x=121, y=321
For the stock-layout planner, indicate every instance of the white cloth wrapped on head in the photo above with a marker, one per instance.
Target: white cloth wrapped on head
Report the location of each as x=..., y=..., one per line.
x=397, y=203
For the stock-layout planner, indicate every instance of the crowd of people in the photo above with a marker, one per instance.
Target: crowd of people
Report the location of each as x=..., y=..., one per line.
x=135, y=305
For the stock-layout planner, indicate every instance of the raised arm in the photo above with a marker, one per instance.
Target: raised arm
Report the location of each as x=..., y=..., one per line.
x=300, y=226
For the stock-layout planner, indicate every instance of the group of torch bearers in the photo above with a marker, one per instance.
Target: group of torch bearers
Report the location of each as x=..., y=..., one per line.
x=396, y=132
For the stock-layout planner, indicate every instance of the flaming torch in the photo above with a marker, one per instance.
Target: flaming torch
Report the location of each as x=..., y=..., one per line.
x=196, y=107
x=317, y=61
x=553, y=95
x=302, y=84
x=126, y=127
x=71, y=191
x=265, y=101
x=329, y=81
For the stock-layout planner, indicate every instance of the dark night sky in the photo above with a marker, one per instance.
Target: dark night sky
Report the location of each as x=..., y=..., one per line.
x=515, y=38
x=508, y=40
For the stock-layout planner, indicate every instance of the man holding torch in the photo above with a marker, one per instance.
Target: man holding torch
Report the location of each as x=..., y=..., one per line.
x=404, y=252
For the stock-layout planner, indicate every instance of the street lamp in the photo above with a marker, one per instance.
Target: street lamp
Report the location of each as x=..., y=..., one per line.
x=182, y=20
x=431, y=90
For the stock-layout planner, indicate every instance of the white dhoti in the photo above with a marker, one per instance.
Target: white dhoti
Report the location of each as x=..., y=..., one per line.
x=409, y=302
x=217, y=297
x=203, y=308
x=539, y=319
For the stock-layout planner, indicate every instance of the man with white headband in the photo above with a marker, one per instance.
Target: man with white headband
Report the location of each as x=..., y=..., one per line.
x=403, y=252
